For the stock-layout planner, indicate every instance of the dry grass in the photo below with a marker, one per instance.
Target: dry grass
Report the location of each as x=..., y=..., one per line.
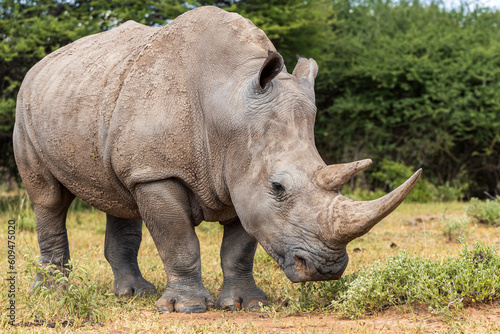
x=414, y=227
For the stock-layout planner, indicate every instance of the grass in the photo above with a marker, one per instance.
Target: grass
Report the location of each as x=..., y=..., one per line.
x=412, y=233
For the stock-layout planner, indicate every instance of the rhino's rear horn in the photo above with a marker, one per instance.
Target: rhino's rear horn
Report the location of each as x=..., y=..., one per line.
x=270, y=69
x=307, y=69
x=333, y=177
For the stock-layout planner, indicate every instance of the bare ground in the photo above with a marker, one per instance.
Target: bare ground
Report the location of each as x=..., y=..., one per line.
x=482, y=319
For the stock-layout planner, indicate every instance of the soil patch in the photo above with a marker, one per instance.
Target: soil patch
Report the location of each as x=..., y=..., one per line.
x=391, y=321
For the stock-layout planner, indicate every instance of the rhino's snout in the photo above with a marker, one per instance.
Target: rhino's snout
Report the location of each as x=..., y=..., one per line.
x=300, y=267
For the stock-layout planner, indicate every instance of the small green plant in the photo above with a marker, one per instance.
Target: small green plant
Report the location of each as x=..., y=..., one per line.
x=484, y=212
x=455, y=228
x=443, y=286
x=68, y=296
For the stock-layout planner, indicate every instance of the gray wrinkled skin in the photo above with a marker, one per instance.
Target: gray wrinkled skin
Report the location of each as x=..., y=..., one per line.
x=197, y=120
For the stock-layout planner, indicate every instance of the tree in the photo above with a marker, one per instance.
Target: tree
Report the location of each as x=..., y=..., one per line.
x=418, y=84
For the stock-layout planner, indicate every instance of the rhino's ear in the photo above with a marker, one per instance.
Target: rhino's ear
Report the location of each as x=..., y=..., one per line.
x=307, y=69
x=270, y=69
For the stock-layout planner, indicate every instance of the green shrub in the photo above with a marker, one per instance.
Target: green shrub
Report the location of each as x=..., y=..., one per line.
x=448, y=192
x=71, y=296
x=442, y=286
x=487, y=212
x=360, y=194
x=392, y=174
x=455, y=228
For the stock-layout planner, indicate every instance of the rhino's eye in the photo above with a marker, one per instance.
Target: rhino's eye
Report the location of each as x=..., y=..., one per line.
x=278, y=187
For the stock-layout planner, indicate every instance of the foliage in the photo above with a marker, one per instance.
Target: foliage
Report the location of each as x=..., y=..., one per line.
x=390, y=174
x=484, y=212
x=71, y=294
x=455, y=228
x=443, y=286
x=415, y=83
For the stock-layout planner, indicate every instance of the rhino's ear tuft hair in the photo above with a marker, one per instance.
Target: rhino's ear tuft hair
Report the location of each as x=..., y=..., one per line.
x=270, y=69
x=307, y=69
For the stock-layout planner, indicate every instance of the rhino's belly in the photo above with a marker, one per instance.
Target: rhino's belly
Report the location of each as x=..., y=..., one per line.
x=106, y=200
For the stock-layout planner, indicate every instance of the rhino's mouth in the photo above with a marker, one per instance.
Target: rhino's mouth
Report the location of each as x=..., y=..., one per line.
x=301, y=266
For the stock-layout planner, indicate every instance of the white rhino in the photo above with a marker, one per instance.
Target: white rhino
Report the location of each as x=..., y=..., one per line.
x=196, y=120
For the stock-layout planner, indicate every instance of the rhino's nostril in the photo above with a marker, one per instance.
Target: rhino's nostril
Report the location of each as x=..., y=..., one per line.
x=300, y=263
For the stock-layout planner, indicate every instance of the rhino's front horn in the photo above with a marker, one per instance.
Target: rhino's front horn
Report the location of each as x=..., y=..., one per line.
x=357, y=218
x=333, y=177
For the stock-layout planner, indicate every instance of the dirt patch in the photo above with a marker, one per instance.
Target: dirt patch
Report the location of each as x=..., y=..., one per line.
x=394, y=320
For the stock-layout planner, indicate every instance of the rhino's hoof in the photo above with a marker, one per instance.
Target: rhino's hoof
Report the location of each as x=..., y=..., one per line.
x=136, y=286
x=238, y=304
x=185, y=304
x=169, y=307
x=242, y=296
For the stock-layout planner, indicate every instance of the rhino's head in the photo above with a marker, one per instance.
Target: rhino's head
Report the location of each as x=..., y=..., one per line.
x=285, y=195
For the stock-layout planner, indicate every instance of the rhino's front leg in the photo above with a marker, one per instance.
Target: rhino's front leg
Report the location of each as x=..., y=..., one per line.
x=166, y=211
x=237, y=252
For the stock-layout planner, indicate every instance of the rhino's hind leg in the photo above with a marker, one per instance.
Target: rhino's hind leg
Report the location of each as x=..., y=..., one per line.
x=50, y=215
x=237, y=252
x=166, y=210
x=52, y=234
x=50, y=199
x=121, y=246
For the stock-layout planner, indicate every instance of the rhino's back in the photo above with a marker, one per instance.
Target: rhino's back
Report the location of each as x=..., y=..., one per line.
x=65, y=107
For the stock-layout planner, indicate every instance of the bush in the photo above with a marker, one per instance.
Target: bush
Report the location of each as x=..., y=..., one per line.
x=455, y=228
x=442, y=286
x=392, y=174
x=487, y=212
x=70, y=296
